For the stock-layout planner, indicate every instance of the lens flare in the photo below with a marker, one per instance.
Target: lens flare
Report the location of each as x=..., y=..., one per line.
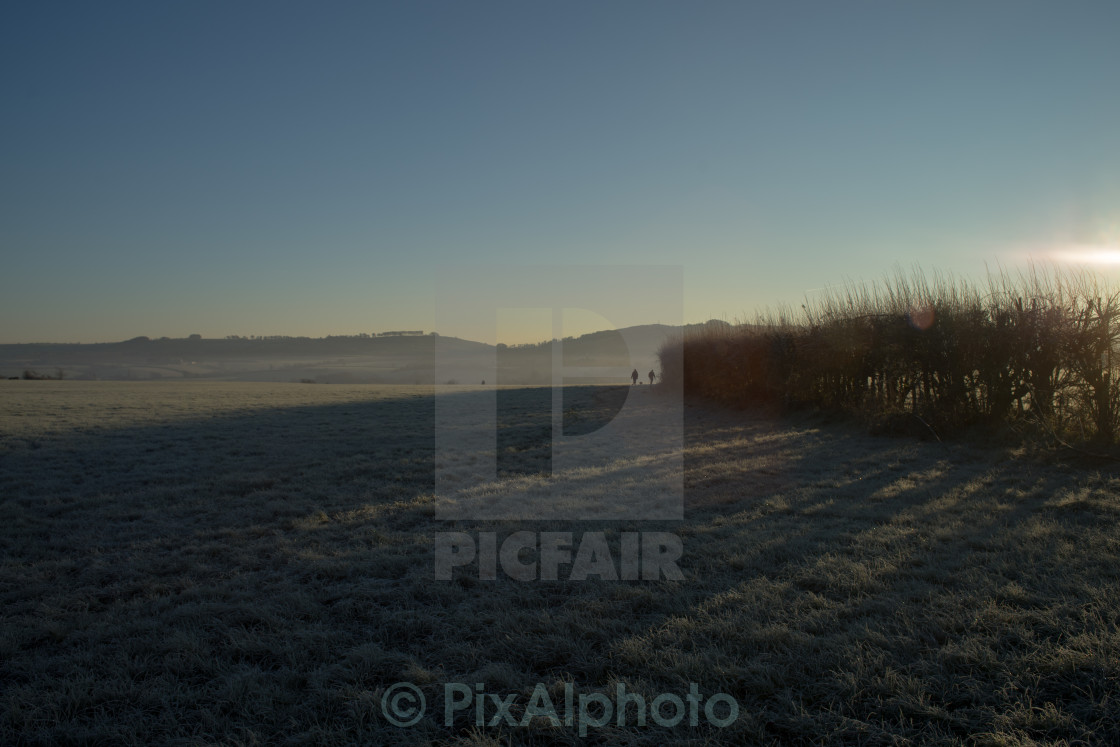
x=921, y=316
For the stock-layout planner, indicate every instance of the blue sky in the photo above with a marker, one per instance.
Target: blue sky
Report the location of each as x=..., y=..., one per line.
x=299, y=168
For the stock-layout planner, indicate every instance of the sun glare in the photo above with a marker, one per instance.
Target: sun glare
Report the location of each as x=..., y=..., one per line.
x=1088, y=254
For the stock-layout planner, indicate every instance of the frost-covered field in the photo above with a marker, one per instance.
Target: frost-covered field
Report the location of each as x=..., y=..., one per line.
x=253, y=563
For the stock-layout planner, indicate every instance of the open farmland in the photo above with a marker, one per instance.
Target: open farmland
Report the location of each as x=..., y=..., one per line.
x=232, y=563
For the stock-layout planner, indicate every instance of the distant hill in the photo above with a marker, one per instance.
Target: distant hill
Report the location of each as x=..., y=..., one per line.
x=407, y=358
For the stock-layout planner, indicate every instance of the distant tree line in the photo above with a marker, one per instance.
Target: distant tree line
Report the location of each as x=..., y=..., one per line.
x=265, y=337
x=359, y=336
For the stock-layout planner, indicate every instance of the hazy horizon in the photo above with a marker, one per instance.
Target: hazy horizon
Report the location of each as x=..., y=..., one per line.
x=386, y=333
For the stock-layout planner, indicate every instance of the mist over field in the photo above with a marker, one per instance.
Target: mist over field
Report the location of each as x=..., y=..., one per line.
x=388, y=358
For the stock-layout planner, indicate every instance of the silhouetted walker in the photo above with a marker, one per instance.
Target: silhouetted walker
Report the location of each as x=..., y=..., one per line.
x=634, y=376
x=651, y=377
